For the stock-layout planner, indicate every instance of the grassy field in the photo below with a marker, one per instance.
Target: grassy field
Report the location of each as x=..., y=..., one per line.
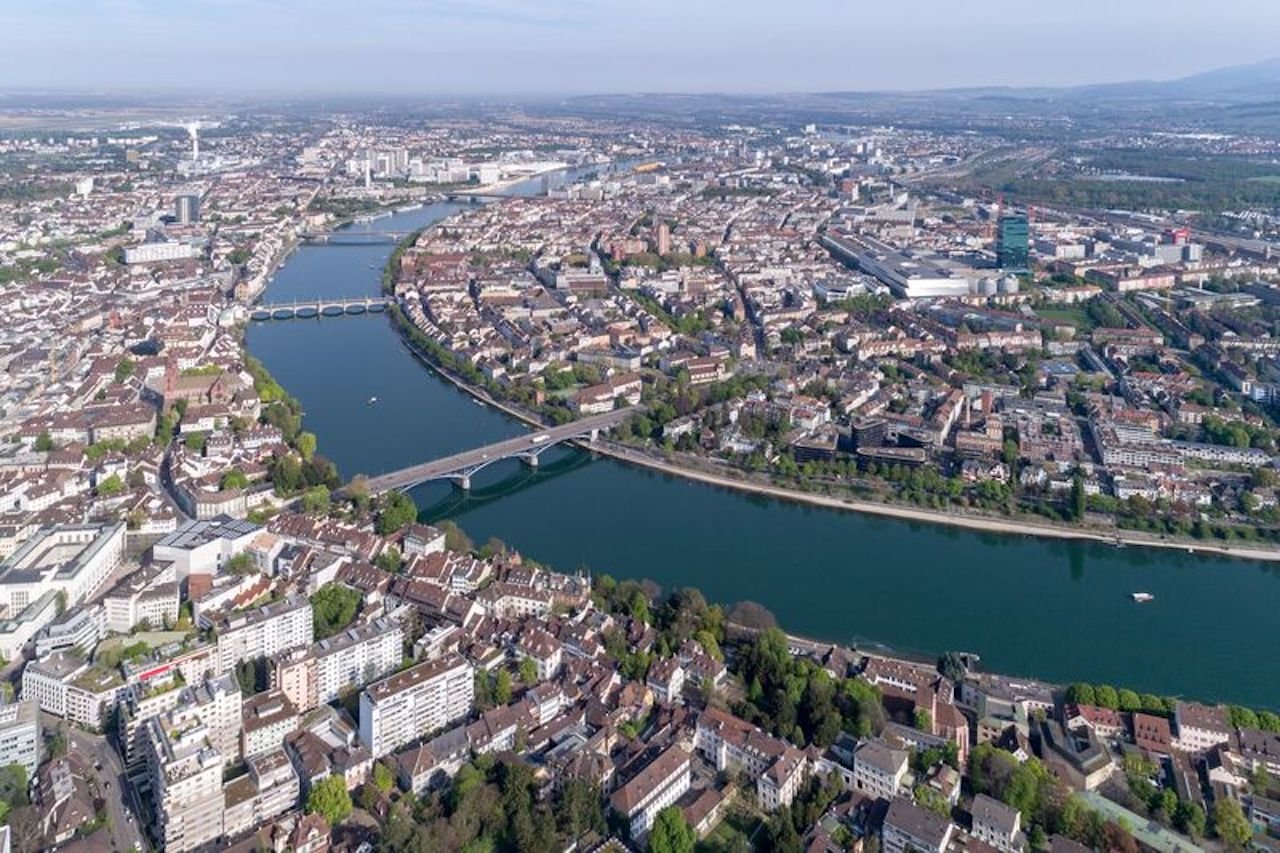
x=1067, y=316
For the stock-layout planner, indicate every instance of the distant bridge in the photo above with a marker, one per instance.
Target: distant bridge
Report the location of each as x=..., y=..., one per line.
x=319, y=308
x=461, y=467
x=356, y=238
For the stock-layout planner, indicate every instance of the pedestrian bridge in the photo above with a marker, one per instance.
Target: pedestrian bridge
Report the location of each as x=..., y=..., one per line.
x=461, y=467
x=319, y=308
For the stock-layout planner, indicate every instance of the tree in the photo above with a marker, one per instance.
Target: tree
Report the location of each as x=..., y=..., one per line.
x=1230, y=823
x=671, y=833
x=528, y=670
x=195, y=441
x=315, y=500
x=455, y=539
x=44, y=442
x=234, y=479
x=306, y=444
x=1082, y=694
x=389, y=560
x=329, y=799
x=111, y=486
x=578, y=809
x=502, y=687
x=396, y=511
x=951, y=666
x=1107, y=696
x=333, y=608
x=124, y=369
x=383, y=779
x=1189, y=818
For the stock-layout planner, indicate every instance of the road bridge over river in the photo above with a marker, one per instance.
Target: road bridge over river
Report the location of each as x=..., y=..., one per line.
x=461, y=467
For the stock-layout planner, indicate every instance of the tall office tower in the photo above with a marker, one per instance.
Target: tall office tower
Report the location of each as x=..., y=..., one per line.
x=186, y=208
x=1011, y=243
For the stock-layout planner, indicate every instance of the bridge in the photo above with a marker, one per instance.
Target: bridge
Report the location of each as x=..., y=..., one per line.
x=355, y=237
x=461, y=467
x=319, y=308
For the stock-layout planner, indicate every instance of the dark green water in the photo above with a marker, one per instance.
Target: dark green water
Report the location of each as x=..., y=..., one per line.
x=1049, y=609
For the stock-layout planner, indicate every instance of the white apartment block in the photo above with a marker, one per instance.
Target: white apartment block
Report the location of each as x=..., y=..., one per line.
x=268, y=790
x=151, y=253
x=403, y=707
x=263, y=631
x=657, y=786
x=352, y=658
x=67, y=687
x=20, y=736
x=185, y=773
x=267, y=718
x=151, y=595
x=878, y=771
x=997, y=824
x=80, y=628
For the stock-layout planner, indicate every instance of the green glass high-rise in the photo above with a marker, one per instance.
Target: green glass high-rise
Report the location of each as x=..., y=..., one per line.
x=1012, y=244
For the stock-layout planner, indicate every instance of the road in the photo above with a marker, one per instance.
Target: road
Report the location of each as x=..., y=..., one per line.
x=481, y=456
x=97, y=752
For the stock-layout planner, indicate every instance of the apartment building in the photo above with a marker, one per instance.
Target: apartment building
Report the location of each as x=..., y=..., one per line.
x=729, y=742
x=879, y=770
x=319, y=674
x=263, y=631
x=65, y=686
x=268, y=790
x=266, y=719
x=408, y=705
x=1200, y=727
x=20, y=736
x=662, y=781
x=185, y=776
x=997, y=824
x=150, y=596
x=909, y=827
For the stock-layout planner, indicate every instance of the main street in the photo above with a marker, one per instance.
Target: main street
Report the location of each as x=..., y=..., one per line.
x=103, y=763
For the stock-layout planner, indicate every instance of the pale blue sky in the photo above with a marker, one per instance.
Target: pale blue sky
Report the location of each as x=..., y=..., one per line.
x=441, y=47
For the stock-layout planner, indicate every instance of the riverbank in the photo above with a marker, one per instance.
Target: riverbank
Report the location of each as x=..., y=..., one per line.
x=984, y=524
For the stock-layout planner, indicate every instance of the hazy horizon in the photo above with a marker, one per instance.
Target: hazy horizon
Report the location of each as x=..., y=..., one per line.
x=564, y=47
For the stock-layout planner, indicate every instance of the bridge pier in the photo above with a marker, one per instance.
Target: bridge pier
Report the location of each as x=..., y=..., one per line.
x=530, y=459
x=462, y=481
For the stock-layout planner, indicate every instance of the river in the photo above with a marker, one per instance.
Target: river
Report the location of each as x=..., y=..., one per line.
x=1045, y=608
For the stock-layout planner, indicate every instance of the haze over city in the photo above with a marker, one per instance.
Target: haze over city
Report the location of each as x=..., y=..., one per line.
x=468, y=47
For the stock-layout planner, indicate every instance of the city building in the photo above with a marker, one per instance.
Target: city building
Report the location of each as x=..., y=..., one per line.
x=64, y=685
x=269, y=789
x=186, y=208
x=355, y=656
x=263, y=631
x=410, y=704
x=1012, y=233
x=659, y=784
x=909, y=827
x=997, y=824
x=267, y=718
x=185, y=780
x=879, y=770
x=20, y=735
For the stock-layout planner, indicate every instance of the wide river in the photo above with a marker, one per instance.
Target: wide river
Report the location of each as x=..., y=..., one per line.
x=1044, y=608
